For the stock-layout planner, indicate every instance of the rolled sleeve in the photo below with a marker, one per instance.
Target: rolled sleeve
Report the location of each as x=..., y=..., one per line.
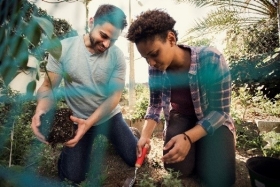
x=153, y=113
x=213, y=121
x=155, y=105
x=218, y=91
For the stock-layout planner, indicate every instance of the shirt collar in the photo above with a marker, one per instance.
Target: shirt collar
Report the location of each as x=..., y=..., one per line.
x=194, y=56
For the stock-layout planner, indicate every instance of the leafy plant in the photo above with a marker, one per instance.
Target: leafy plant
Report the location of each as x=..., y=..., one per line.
x=193, y=41
x=141, y=104
x=248, y=138
x=254, y=103
x=241, y=97
x=45, y=161
x=260, y=70
x=146, y=181
x=21, y=26
x=272, y=148
x=232, y=13
x=172, y=179
x=252, y=40
x=15, y=132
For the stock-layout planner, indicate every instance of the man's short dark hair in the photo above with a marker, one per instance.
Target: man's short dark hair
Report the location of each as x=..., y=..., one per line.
x=112, y=14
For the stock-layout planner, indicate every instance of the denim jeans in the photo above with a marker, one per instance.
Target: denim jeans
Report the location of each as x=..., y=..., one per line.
x=74, y=162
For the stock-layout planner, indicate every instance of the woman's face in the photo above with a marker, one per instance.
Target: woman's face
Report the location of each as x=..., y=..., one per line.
x=158, y=54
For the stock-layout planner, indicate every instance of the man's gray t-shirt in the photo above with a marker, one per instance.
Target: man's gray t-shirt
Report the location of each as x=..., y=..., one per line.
x=90, y=74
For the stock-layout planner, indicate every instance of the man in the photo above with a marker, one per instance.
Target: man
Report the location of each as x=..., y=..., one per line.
x=96, y=69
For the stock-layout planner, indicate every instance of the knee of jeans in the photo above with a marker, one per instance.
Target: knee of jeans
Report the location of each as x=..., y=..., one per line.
x=131, y=162
x=71, y=175
x=129, y=157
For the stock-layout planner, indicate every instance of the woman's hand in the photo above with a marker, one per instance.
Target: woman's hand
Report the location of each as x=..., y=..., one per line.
x=178, y=147
x=140, y=145
x=82, y=129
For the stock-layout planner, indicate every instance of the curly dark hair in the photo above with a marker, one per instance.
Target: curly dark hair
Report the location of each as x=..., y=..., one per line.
x=112, y=14
x=151, y=24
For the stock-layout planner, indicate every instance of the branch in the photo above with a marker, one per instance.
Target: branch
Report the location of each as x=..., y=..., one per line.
x=60, y=1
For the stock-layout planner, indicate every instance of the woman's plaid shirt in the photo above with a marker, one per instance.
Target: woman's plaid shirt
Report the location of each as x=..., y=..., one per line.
x=210, y=86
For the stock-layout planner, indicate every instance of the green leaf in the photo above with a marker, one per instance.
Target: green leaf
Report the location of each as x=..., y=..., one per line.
x=45, y=25
x=17, y=45
x=53, y=46
x=31, y=87
x=32, y=32
x=8, y=69
x=51, y=43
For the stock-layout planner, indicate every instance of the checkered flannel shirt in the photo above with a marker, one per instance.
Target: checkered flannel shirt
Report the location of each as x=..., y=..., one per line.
x=210, y=86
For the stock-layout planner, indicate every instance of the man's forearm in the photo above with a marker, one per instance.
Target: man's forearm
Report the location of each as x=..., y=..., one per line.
x=45, y=99
x=105, y=108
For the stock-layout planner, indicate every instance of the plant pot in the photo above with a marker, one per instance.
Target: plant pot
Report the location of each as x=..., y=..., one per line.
x=264, y=171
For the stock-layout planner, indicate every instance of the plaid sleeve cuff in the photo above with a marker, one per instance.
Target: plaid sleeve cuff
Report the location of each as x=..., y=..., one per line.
x=212, y=122
x=153, y=117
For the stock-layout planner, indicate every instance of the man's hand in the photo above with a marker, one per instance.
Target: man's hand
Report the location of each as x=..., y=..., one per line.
x=178, y=149
x=82, y=129
x=36, y=122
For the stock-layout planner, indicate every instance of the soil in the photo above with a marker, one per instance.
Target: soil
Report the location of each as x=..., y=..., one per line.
x=115, y=172
x=153, y=167
x=58, y=128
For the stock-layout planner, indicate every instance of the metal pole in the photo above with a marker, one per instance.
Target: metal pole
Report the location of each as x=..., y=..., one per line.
x=86, y=3
x=131, y=90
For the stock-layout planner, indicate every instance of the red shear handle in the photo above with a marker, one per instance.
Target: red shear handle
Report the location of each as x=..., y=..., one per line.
x=140, y=159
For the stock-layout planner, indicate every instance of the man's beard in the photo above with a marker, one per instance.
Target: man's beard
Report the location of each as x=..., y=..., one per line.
x=94, y=44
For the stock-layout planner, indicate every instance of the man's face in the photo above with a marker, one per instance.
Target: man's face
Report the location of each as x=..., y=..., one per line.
x=103, y=36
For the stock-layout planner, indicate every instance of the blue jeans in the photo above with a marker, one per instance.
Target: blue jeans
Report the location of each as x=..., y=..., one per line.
x=74, y=162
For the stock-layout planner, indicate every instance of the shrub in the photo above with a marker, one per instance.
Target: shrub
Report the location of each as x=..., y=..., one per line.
x=260, y=70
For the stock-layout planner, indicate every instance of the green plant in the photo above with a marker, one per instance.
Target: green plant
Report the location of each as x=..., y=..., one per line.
x=21, y=26
x=261, y=70
x=193, y=41
x=264, y=104
x=141, y=104
x=248, y=138
x=272, y=148
x=16, y=135
x=124, y=97
x=19, y=146
x=254, y=103
x=146, y=181
x=241, y=100
x=251, y=40
x=172, y=179
x=226, y=15
x=46, y=159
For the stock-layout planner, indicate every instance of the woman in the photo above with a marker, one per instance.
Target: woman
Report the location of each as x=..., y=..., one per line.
x=193, y=87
